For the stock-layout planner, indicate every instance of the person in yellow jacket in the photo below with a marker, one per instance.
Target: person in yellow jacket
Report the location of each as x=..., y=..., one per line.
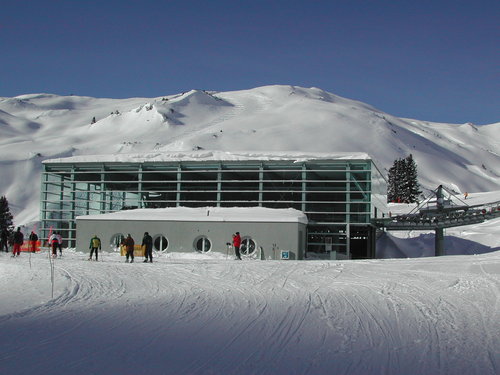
x=95, y=245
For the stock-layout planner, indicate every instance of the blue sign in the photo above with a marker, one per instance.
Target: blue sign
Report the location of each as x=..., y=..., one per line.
x=285, y=254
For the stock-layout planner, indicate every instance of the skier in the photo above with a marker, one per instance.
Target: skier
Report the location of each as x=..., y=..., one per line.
x=4, y=244
x=32, y=241
x=236, y=244
x=59, y=243
x=53, y=243
x=18, y=241
x=95, y=244
x=147, y=242
x=129, y=247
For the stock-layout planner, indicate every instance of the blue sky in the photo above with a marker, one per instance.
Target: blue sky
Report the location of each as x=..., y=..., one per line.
x=429, y=60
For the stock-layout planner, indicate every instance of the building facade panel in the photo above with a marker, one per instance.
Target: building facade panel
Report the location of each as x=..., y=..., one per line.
x=267, y=239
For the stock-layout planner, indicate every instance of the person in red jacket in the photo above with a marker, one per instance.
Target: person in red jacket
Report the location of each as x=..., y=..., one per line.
x=236, y=244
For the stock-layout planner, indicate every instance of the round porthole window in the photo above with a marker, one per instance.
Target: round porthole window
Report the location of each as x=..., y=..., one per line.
x=247, y=246
x=160, y=243
x=202, y=244
x=116, y=241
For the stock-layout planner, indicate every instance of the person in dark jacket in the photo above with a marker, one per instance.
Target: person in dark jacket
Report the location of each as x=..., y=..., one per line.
x=18, y=242
x=4, y=244
x=237, y=244
x=32, y=242
x=129, y=243
x=147, y=242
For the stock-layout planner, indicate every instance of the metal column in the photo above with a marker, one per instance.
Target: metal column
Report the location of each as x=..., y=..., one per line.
x=219, y=185
x=439, y=242
x=348, y=212
x=261, y=184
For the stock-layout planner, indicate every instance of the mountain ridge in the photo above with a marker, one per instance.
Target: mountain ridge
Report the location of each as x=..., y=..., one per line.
x=35, y=127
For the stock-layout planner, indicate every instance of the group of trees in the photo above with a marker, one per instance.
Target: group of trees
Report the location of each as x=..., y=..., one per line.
x=403, y=186
x=6, y=218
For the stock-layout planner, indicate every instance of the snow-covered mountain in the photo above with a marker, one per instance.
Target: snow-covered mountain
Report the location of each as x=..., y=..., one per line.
x=463, y=157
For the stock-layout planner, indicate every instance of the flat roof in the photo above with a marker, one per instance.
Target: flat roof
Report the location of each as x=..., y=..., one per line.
x=212, y=214
x=204, y=155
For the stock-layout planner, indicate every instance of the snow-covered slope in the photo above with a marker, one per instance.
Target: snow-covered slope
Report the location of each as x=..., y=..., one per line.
x=212, y=315
x=271, y=118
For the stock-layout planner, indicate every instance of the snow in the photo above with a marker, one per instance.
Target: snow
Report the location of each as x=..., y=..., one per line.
x=211, y=156
x=205, y=314
x=246, y=214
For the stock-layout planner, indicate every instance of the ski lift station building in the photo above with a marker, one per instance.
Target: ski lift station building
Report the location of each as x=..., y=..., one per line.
x=306, y=204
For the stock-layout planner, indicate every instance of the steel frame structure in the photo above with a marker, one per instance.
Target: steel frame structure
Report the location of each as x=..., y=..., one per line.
x=340, y=197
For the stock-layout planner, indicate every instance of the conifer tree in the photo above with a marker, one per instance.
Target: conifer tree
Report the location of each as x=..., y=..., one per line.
x=5, y=215
x=403, y=184
x=394, y=188
x=411, y=185
x=392, y=192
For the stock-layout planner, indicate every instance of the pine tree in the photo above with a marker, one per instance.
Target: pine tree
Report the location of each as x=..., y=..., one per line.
x=391, y=186
x=403, y=184
x=412, y=187
x=394, y=192
x=5, y=216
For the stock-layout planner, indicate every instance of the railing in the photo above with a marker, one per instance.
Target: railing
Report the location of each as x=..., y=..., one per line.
x=446, y=218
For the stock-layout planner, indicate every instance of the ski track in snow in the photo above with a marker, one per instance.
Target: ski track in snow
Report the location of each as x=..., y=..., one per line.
x=217, y=316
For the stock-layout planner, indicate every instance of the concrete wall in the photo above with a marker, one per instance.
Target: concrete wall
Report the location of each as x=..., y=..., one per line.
x=181, y=235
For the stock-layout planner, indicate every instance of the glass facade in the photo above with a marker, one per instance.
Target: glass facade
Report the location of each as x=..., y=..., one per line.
x=339, y=197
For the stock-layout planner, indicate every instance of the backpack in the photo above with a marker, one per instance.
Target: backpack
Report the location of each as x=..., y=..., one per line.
x=96, y=242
